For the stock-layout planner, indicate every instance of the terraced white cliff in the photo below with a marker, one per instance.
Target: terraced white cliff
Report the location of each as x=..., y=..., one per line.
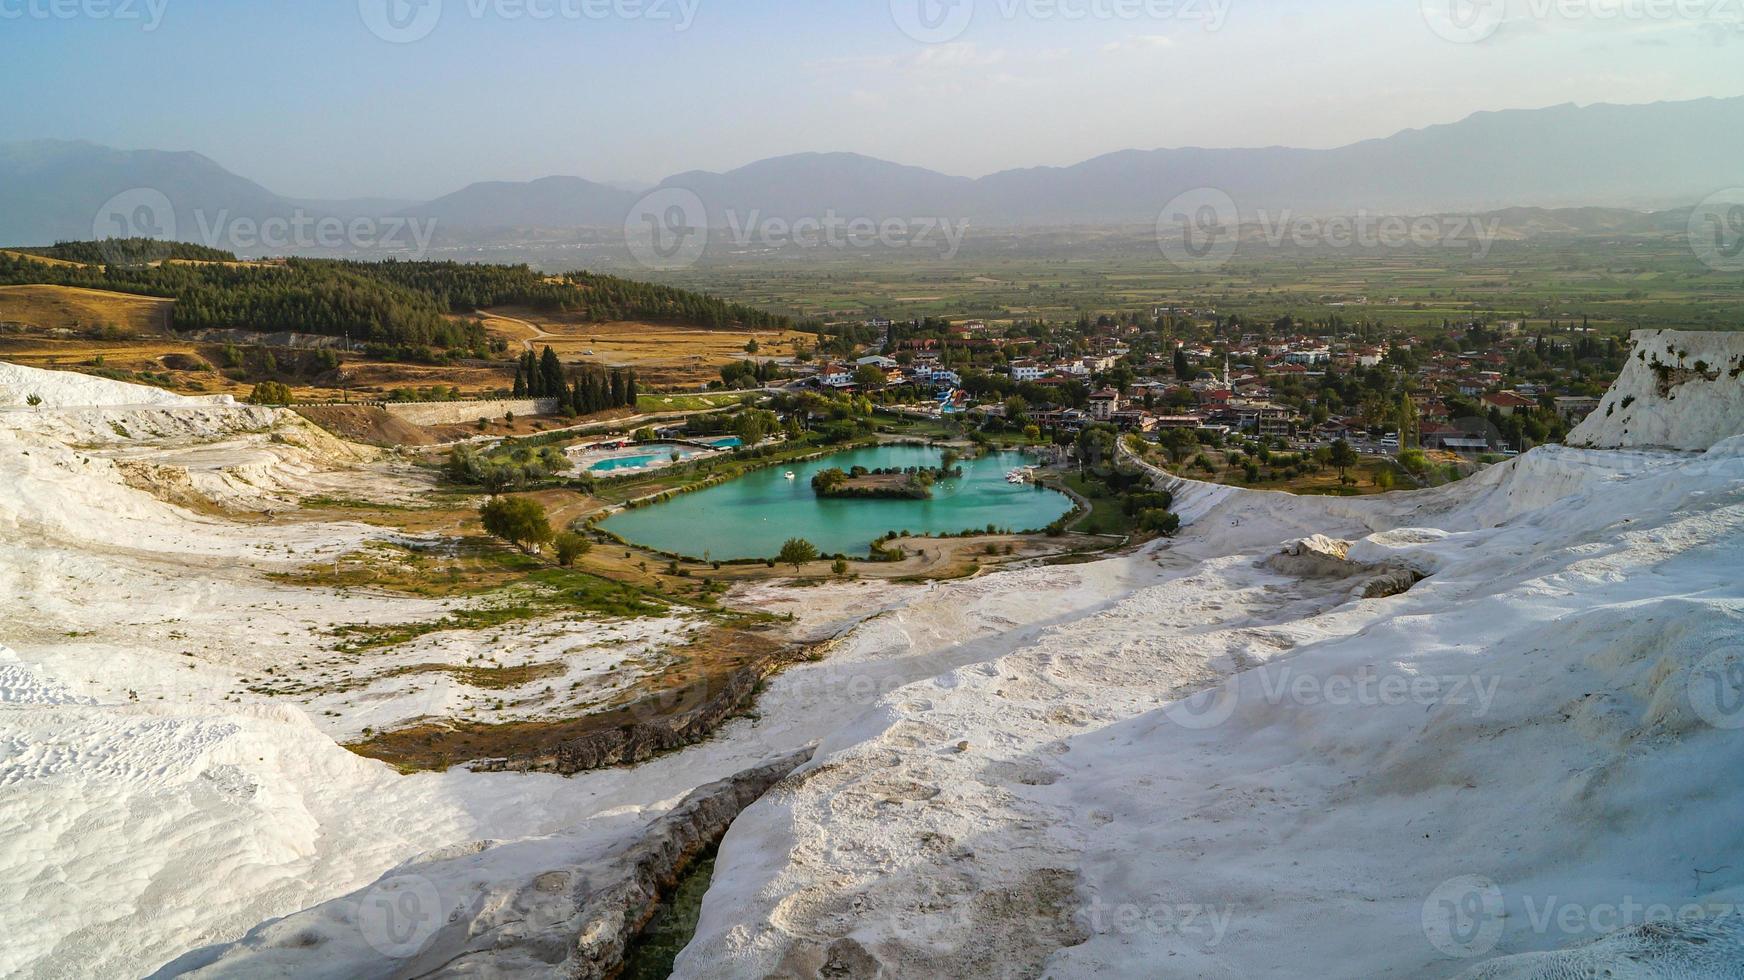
x=1200, y=760
x=1679, y=390
x=1237, y=770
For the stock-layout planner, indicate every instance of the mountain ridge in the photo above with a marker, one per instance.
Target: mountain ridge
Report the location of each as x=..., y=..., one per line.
x=1604, y=155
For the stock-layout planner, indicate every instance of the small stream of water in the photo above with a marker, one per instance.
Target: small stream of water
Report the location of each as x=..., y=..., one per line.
x=652, y=954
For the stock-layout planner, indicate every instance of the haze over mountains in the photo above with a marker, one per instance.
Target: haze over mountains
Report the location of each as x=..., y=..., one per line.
x=1657, y=156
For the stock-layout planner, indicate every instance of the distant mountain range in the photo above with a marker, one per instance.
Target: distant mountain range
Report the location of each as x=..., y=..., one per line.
x=1642, y=157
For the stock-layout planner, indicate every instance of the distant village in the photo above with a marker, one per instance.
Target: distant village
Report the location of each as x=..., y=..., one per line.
x=1470, y=387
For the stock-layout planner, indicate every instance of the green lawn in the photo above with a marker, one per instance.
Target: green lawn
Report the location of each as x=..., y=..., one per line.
x=649, y=404
x=1107, y=514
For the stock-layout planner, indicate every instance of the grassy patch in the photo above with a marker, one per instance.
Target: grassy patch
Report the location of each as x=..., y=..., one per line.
x=492, y=678
x=1107, y=510
x=654, y=404
x=548, y=592
x=699, y=673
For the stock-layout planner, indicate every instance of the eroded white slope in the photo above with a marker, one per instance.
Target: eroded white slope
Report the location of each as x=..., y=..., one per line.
x=156, y=806
x=133, y=829
x=1057, y=811
x=1680, y=389
x=922, y=632
x=68, y=389
x=146, y=806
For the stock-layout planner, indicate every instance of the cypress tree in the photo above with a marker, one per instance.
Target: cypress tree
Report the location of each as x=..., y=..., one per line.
x=551, y=373
x=534, y=382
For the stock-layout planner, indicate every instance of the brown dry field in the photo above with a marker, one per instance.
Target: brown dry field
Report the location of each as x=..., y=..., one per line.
x=666, y=356
x=177, y=365
x=70, y=308
x=45, y=260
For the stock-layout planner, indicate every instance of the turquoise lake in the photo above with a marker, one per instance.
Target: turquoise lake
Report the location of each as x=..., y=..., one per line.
x=750, y=517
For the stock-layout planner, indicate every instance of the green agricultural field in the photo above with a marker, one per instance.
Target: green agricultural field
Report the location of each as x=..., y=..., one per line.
x=1618, y=284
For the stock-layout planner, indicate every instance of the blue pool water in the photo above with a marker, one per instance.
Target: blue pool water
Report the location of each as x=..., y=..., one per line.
x=751, y=516
x=652, y=454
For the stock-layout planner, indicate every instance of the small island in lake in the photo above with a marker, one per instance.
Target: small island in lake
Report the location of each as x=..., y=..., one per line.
x=897, y=483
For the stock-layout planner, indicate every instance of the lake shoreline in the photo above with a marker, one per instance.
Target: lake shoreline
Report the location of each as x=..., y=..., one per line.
x=720, y=527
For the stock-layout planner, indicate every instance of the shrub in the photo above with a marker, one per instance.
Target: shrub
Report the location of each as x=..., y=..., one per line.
x=569, y=547
x=521, y=521
x=1160, y=522
x=270, y=393
x=797, y=552
x=1414, y=461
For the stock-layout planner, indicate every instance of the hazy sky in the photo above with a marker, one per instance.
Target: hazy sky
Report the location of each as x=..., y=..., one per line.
x=307, y=97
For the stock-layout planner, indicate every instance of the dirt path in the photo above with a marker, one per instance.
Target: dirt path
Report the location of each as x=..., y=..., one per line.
x=538, y=332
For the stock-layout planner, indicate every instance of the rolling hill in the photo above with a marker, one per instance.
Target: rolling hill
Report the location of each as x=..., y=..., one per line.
x=1639, y=157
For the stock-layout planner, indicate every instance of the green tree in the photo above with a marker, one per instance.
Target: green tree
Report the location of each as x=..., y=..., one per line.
x=870, y=376
x=1159, y=521
x=1343, y=457
x=840, y=567
x=1097, y=445
x=520, y=521
x=797, y=552
x=270, y=393
x=569, y=546
x=551, y=380
x=752, y=426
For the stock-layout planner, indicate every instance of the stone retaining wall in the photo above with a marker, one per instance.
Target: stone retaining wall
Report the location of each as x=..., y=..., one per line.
x=460, y=413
